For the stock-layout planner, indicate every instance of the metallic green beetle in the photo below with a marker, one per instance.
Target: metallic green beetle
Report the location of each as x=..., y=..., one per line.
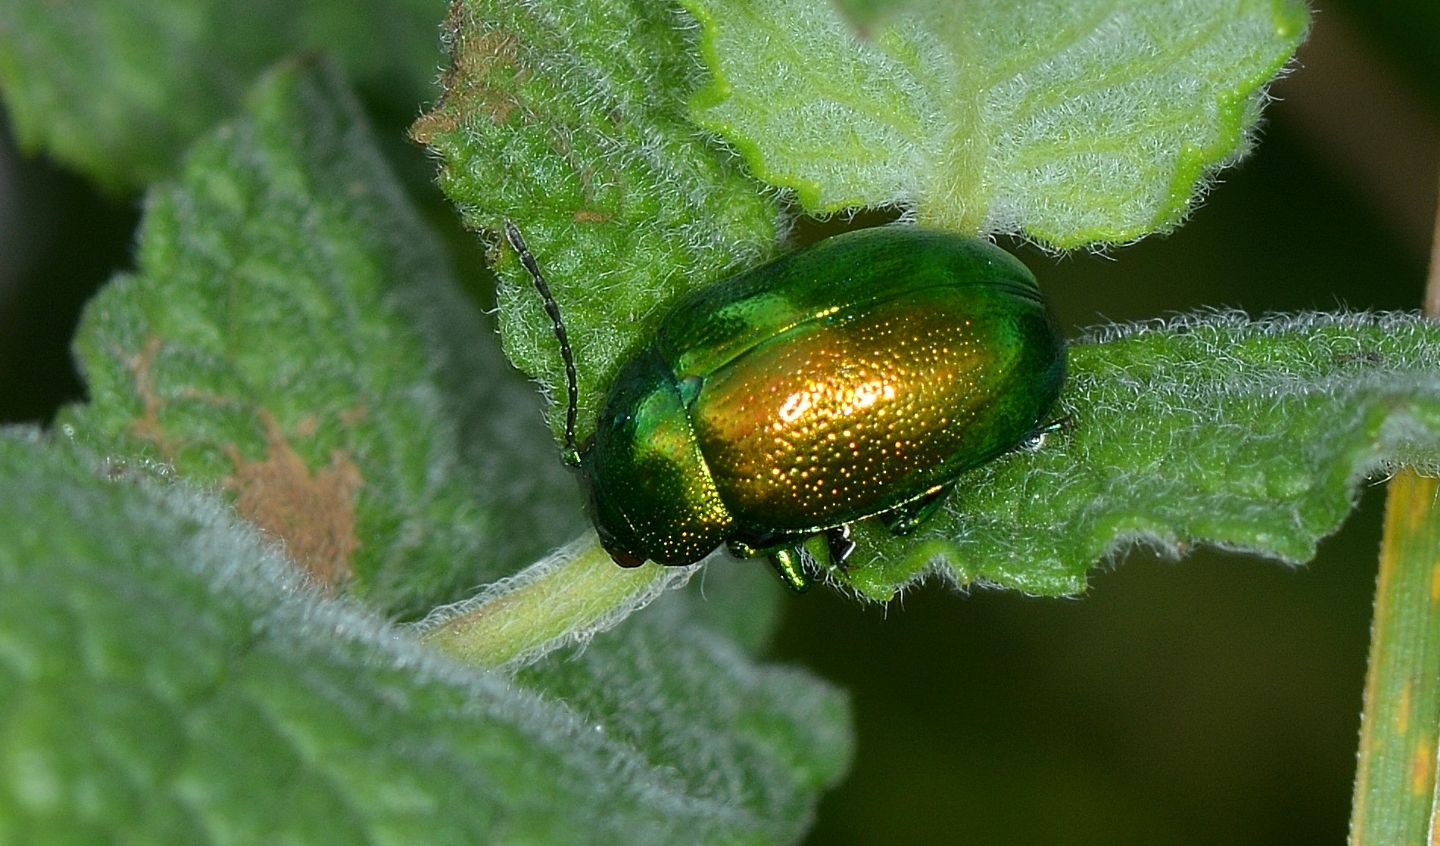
x=856, y=378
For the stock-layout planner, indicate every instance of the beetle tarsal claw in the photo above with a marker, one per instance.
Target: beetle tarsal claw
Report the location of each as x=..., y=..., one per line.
x=1035, y=441
x=838, y=539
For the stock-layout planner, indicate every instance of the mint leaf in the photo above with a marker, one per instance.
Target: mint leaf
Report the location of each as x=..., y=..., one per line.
x=166, y=678
x=293, y=335
x=671, y=687
x=570, y=119
x=1247, y=435
x=1073, y=123
x=119, y=90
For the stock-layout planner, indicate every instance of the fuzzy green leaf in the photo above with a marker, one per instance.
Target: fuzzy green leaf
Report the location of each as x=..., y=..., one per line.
x=1073, y=122
x=119, y=90
x=293, y=335
x=1210, y=429
x=570, y=120
x=166, y=678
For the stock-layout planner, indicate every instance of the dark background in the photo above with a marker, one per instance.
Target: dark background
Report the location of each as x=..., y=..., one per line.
x=1211, y=700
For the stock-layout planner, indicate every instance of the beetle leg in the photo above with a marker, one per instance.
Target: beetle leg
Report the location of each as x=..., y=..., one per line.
x=794, y=565
x=741, y=549
x=787, y=555
x=903, y=519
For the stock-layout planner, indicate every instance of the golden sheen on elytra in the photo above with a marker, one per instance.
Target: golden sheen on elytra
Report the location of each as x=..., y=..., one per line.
x=856, y=378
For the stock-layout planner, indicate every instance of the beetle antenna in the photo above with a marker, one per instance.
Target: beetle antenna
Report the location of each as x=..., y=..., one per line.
x=512, y=234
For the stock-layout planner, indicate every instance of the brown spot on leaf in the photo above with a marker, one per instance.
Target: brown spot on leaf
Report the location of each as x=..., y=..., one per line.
x=307, y=426
x=485, y=70
x=1422, y=765
x=313, y=511
x=353, y=415
x=147, y=425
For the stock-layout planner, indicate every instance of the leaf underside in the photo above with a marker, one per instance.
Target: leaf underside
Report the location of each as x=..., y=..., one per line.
x=1073, y=123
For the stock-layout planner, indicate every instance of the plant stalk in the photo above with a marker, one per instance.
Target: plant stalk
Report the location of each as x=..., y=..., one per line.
x=1395, y=796
x=565, y=598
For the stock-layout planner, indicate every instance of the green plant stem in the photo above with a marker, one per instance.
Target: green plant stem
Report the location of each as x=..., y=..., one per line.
x=1395, y=781
x=1395, y=787
x=563, y=599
